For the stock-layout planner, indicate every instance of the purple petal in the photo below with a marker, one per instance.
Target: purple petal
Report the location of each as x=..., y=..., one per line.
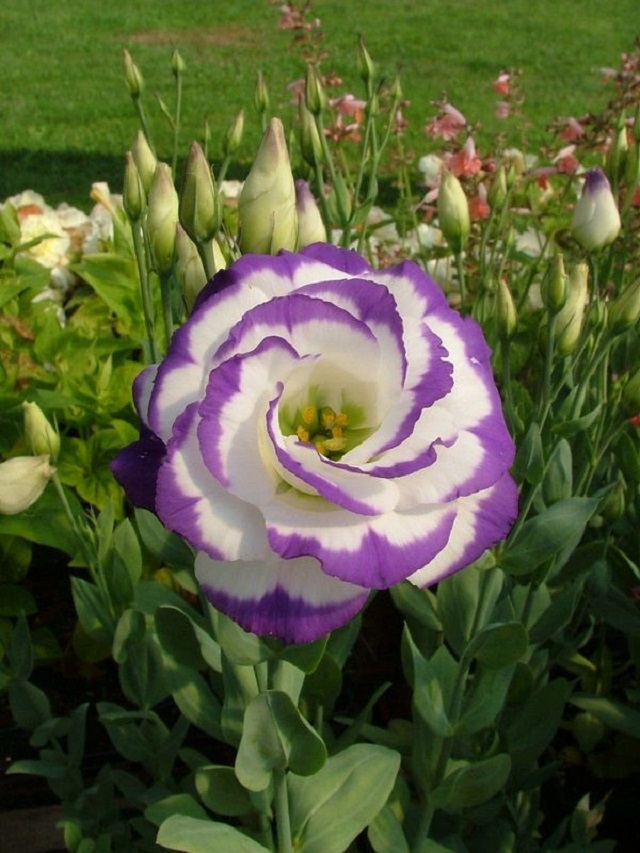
x=136, y=469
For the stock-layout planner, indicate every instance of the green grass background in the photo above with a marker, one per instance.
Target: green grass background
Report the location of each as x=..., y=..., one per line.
x=66, y=119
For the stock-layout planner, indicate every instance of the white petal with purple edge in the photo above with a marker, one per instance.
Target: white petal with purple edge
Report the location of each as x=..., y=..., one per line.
x=191, y=502
x=291, y=599
x=372, y=551
x=481, y=521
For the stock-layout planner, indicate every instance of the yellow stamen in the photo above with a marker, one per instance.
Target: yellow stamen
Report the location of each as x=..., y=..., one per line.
x=309, y=414
x=303, y=434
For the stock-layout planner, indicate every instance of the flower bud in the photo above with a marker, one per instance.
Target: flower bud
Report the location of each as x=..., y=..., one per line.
x=505, y=311
x=314, y=93
x=261, y=95
x=618, y=151
x=190, y=271
x=498, y=189
x=134, y=199
x=162, y=218
x=233, y=137
x=267, y=204
x=631, y=395
x=144, y=159
x=453, y=212
x=132, y=76
x=41, y=436
x=554, y=285
x=178, y=65
x=310, y=225
x=22, y=481
x=310, y=143
x=365, y=64
x=571, y=317
x=624, y=311
x=200, y=203
x=596, y=221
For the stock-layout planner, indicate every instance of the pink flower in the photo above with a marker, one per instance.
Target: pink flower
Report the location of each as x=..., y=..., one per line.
x=503, y=109
x=448, y=125
x=572, y=131
x=296, y=87
x=566, y=162
x=502, y=85
x=478, y=206
x=464, y=162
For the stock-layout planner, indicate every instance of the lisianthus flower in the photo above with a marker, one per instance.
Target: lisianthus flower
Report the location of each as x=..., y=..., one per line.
x=502, y=84
x=448, y=125
x=320, y=429
x=464, y=162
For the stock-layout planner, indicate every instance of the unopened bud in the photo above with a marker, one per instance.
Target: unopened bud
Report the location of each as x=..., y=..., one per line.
x=41, y=437
x=190, y=271
x=453, y=212
x=261, y=95
x=233, y=136
x=132, y=76
x=310, y=143
x=554, y=285
x=365, y=64
x=145, y=160
x=22, y=480
x=505, y=311
x=631, y=395
x=162, y=218
x=596, y=220
x=200, y=203
x=310, y=225
x=571, y=317
x=624, y=311
x=134, y=199
x=267, y=204
x=618, y=151
x=314, y=93
x=178, y=65
x=498, y=190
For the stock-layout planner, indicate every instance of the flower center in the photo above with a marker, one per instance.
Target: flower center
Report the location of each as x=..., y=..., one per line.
x=331, y=432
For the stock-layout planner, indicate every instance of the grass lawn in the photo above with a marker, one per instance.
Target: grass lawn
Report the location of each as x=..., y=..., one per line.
x=67, y=119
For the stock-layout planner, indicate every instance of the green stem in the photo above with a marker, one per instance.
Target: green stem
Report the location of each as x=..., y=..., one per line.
x=167, y=309
x=283, y=822
x=462, y=282
x=143, y=272
x=205, y=250
x=176, y=125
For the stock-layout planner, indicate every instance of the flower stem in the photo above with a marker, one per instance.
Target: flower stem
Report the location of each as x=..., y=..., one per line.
x=147, y=308
x=282, y=812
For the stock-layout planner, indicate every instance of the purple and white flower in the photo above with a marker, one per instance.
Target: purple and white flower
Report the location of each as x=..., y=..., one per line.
x=320, y=429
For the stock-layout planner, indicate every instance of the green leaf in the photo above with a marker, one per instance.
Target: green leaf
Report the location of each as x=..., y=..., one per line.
x=459, y=598
x=45, y=522
x=93, y=612
x=498, y=646
x=220, y=791
x=115, y=279
x=29, y=704
x=15, y=600
x=190, y=835
x=537, y=722
x=175, y=804
x=386, y=834
x=195, y=699
x=49, y=769
x=239, y=645
x=433, y=680
x=330, y=808
x=555, y=531
x=558, y=479
x=483, y=706
x=614, y=714
x=558, y=614
x=529, y=464
x=21, y=650
x=276, y=736
x=472, y=784
x=177, y=636
x=416, y=603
